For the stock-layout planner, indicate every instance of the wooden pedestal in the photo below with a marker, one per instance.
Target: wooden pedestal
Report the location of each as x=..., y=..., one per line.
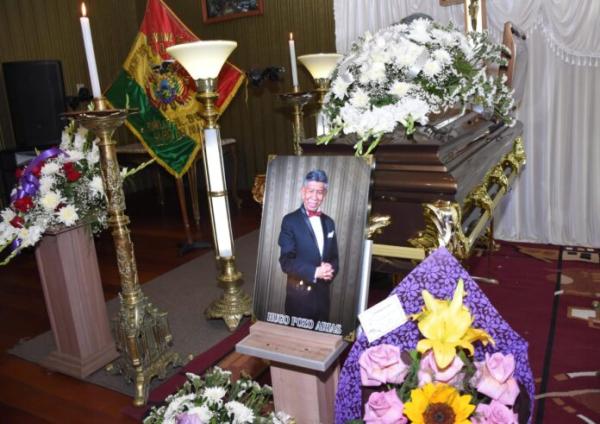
x=68, y=269
x=304, y=369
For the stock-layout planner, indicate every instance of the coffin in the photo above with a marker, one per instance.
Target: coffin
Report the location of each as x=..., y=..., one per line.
x=441, y=185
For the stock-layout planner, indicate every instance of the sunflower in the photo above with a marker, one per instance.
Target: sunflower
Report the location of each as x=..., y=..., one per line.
x=438, y=403
x=446, y=325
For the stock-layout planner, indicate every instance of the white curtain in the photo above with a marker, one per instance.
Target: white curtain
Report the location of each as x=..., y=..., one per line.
x=557, y=199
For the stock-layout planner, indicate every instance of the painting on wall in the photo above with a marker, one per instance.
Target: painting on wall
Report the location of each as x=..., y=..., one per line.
x=224, y=10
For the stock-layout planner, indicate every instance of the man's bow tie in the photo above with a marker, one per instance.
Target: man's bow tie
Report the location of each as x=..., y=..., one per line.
x=313, y=213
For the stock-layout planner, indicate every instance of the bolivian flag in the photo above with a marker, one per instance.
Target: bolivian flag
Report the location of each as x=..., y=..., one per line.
x=168, y=123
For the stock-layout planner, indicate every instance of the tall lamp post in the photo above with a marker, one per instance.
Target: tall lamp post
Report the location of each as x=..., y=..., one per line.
x=203, y=60
x=321, y=66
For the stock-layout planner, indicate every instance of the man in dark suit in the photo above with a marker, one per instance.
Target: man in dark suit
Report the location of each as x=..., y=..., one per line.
x=309, y=252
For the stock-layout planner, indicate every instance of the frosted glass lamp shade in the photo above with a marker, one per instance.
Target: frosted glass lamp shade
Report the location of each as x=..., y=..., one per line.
x=320, y=65
x=202, y=59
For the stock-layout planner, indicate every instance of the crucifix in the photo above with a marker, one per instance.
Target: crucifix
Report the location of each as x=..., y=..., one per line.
x=475, y=13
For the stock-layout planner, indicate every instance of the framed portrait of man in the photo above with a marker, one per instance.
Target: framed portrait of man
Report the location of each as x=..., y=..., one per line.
x=311, y=246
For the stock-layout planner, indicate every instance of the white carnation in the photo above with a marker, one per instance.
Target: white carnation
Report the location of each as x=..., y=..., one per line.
x=50, y=200
x=241, y=413
x=67, y=215
x=50, y=168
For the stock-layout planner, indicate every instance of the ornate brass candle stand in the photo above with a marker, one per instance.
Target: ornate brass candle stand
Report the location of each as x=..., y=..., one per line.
x=234, y=303
x=141, y=331
x=297, y=99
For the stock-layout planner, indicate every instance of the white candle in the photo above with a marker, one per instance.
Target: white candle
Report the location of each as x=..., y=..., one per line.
x=293, y=61
x=89, y=52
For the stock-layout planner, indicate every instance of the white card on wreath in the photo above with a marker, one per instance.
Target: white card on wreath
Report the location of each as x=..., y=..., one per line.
x=382, y=318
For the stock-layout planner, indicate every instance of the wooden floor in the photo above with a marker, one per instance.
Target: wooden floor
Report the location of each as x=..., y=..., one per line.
x=29, y=393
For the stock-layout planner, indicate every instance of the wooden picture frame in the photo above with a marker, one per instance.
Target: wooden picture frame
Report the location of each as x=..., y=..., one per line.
x=214, y=11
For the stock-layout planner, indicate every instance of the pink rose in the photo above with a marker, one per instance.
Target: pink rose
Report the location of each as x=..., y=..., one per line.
x=382, y=364
x=429, y=371
x=384, y=408
x=494, y=378
x=494, y=413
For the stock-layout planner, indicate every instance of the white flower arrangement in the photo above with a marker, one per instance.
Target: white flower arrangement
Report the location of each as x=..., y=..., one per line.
x=59, y=188
x=215, y=399
x=402, y=74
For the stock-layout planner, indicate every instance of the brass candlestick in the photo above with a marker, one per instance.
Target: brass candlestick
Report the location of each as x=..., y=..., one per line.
x=141, y=331
x=234, y=303
x=297, y=99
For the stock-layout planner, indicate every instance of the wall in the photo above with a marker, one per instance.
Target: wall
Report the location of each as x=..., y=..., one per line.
x=49, y=29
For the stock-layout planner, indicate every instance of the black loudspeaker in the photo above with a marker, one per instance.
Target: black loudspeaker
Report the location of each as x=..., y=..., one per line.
x=36, y=96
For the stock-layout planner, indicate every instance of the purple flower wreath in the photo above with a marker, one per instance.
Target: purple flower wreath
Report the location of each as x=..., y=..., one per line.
x=438, y=274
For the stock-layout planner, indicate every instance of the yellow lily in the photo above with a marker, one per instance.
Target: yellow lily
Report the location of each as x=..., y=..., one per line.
x=446, y=325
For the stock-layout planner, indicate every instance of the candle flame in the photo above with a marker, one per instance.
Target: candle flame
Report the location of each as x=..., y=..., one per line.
x=291, y=36
x=83, y=9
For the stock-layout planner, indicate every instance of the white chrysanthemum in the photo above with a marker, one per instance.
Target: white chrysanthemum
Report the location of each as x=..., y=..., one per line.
x=50, y=200
x=96, y=185
x=7, y=215
x=176, y=406
x=372, y=72
x=432, y=68
x=419, y=30
x=67, y=215
x=359, y=99
x=339, y=87
x=442, y=56
x=50, y=168
x=241, y=413
x=73, y=156
x=202, y=412
x=214, y=395
x=416, y=108
x=400, y=88
x=29, y=236
x=46, y=184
